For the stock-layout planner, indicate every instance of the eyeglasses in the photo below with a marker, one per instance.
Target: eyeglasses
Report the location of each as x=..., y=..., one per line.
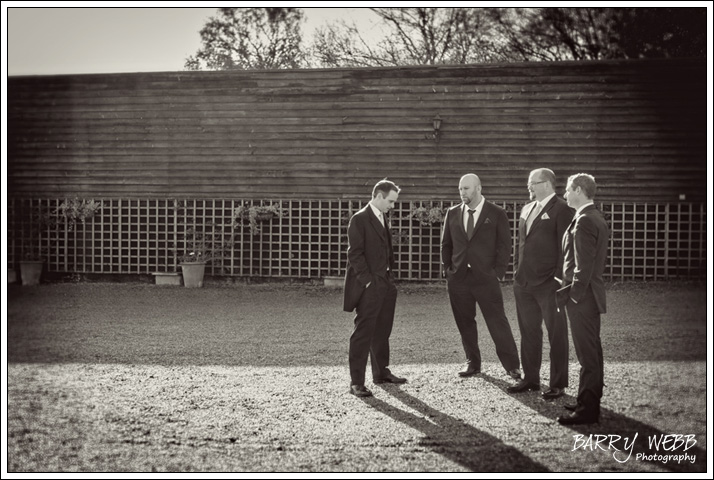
x=535, y=183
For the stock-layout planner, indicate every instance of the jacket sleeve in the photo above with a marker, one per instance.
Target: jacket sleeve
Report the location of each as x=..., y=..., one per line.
x=447, y=246
x=562, y=222
x=356, y=250
x=584, y=244
x=503, y=245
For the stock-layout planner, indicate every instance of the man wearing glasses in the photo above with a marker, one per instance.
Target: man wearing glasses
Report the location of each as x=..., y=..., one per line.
x=540, y=259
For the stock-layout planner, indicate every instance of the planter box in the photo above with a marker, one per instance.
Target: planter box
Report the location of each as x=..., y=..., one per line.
x=167, y=278
x=30, y=272
x=335, y=282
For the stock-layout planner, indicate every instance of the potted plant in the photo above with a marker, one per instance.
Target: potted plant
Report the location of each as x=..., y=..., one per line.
x=254, y=214
x=75, y=210
x=38, y=219
x=32, y=250
x=31, y=267
x=201, y=246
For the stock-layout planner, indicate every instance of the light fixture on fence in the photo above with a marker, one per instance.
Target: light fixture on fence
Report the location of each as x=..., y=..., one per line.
x=436, y=121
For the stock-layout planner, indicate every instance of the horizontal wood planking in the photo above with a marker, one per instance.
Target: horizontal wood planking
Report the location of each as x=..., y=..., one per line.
x=638, y=126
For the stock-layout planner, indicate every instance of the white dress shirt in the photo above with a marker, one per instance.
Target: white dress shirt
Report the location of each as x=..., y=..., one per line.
x=378, y=214
x=477, y=212
x=535, y=211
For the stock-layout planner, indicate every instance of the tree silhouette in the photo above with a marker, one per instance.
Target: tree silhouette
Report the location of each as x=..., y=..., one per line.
x=250, y=38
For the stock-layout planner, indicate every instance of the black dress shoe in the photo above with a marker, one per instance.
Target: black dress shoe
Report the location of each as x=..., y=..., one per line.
x=577, y=419
x=360, y=391
x=469, y=371
x=553, y=392
x=523, y=386
x=390, y=378
x=571, y=406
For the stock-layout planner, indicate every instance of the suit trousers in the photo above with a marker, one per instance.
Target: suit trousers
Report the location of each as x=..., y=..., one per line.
x=373, y=326
x=464, y=294
x=535, y=306
x=584, y=319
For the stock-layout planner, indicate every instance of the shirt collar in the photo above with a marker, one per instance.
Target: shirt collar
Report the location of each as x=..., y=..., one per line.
x=583, y=207
x=545, y=201
x=376, y=211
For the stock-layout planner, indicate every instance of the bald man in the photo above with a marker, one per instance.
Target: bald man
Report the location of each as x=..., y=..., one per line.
x=475, y=250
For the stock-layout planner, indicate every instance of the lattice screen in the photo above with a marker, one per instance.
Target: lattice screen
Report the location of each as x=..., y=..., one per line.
x=141, y=236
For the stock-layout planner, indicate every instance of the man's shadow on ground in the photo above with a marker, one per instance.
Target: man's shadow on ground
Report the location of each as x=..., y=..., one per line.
x=611, y=423
x=455, y=440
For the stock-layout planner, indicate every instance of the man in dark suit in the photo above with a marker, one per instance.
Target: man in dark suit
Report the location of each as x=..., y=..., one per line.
x=369, y=288
x=475, y=250
x=584, y=258
x=540, y=261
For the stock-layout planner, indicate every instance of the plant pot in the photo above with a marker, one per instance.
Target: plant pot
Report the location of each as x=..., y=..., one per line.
x=30, y=272
x=193, y=274
x=333, y=281
x=167, y=278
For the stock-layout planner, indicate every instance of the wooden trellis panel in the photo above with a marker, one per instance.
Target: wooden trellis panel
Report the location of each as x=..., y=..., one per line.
x=141, y=236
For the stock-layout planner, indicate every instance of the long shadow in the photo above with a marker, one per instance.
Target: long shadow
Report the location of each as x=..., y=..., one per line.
x=613, y=423
x=453, y=439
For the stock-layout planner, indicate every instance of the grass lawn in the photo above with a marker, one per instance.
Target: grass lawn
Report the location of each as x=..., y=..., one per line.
x=134, y=377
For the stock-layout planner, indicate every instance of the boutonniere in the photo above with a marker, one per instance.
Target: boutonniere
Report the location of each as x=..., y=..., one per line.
x=545, y=216
x=488, y=220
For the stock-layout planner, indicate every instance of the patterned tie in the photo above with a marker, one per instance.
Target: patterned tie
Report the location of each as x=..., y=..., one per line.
x=470, y=224
x=532, y=216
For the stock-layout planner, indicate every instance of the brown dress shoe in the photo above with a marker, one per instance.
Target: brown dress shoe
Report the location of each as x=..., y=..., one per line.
x=360, y=391
x=523, y=386
x=390, y=378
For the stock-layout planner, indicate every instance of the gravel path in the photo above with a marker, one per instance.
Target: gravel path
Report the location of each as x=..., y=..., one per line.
x=134, y=377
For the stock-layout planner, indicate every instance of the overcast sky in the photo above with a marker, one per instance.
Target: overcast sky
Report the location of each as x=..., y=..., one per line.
x=45, y=41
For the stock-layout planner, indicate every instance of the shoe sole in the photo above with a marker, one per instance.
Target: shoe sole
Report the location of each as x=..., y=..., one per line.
x=581, y=422
x=361, y=394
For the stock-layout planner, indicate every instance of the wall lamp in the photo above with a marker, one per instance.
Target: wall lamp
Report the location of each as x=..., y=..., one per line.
x=436, y=122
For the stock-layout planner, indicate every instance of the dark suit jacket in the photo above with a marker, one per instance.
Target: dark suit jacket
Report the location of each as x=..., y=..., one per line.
x=369, y=254
x=489, y=249
x=540, y=251
x=585, y=255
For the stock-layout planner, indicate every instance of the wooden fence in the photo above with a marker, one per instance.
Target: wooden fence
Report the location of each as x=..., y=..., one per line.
x=638, y=126
x=140, y=236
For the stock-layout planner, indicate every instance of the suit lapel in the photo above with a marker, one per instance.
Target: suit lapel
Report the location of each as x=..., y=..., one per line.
x=376, y=224
x=545, y=210
x=569, y=231
x=459, y=218
x=481, y=218
x=527, y=210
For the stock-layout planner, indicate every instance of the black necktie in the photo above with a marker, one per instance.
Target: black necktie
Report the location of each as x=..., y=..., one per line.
x=470, y=224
